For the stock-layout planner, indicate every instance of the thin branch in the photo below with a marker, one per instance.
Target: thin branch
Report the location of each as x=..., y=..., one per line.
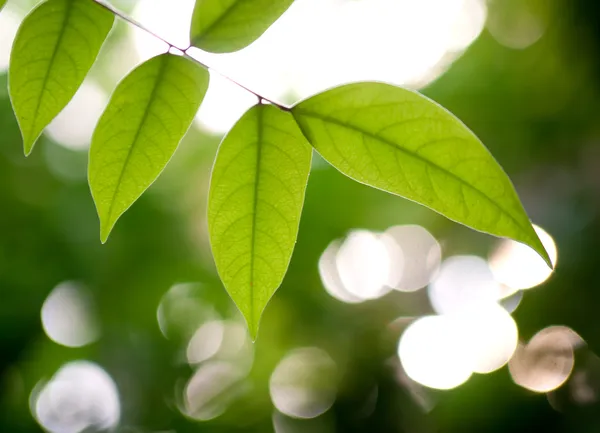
x=140, y=26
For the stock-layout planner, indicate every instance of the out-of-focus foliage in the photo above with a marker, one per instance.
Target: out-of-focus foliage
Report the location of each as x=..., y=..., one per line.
x=534, y=102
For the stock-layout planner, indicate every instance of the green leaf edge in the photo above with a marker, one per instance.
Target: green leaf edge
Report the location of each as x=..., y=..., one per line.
x=105, y=230
x=28, y=146
x=254, y=325
x=196, y=40
x=536, y=243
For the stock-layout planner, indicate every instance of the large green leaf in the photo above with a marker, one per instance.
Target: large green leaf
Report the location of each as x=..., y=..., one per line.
x=401, y=142
x=53, y=51
x=146, y=118
x=254, y=206
x=223, y=26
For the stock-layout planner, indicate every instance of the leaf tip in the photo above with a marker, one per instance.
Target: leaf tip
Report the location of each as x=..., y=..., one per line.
x=544, y=254
x=539, y=248
x=27, y=146
x=252, y=327
x=252, y=324
x=105, y=230
x=253, y=332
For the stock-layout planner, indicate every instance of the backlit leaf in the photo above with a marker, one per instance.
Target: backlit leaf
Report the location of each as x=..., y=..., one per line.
x=146, y=118
x=223, y=26
x=401, y=142
x=53, y=51
x=255, y=201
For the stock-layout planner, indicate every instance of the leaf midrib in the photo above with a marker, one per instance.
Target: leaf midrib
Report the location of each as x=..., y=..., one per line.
x=259, y=118
x=61, y=35
x=323, y=118
x=159, y=76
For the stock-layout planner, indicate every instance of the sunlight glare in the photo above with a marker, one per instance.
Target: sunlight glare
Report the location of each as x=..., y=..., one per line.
x=518, y=266
x=463, y=282
x=364, y=265
x=9, y=24
x=421, y=254
x=168, y=19
x=396, y=257
x=330, y=276
x=418, y=38
x=434, y=352
x=223, y=105
x=415, y=35
x=74, y=126
x=492, y=335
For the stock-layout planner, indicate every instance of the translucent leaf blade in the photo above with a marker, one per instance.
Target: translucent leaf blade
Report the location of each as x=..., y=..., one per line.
x=148, y=114
x=401, y=142
x=53, y=51
x=255, y=201
x=223, y=26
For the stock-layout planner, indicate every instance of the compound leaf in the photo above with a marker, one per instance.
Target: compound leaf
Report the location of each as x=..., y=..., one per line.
x=401, y=142
x=255, y=201
x=147, y=116
x=53, y=51
x=223, y=26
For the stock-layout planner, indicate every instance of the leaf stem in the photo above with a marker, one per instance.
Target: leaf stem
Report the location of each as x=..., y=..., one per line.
x=140, y=26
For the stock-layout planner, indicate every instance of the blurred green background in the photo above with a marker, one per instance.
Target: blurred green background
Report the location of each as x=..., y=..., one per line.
x=528, y=85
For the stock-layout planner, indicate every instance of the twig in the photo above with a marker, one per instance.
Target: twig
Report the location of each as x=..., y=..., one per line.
x=140, y=26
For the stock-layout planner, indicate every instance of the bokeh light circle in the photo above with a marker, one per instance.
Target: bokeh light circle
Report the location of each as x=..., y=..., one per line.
x=364, y=265
x=518, y=266
x=68, y=317
x=463, y=282
x=492, y=336
x=421, y=256
x=330, y=276
x=434, y=352
x=546, y=362
x=304, y=384
x=80, y=397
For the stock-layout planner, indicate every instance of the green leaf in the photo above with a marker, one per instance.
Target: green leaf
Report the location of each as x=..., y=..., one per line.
x=223, y=26
x=401, y=142
x=254, y=206
x=53, y=51
x=2, y=3
x=146, y=118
